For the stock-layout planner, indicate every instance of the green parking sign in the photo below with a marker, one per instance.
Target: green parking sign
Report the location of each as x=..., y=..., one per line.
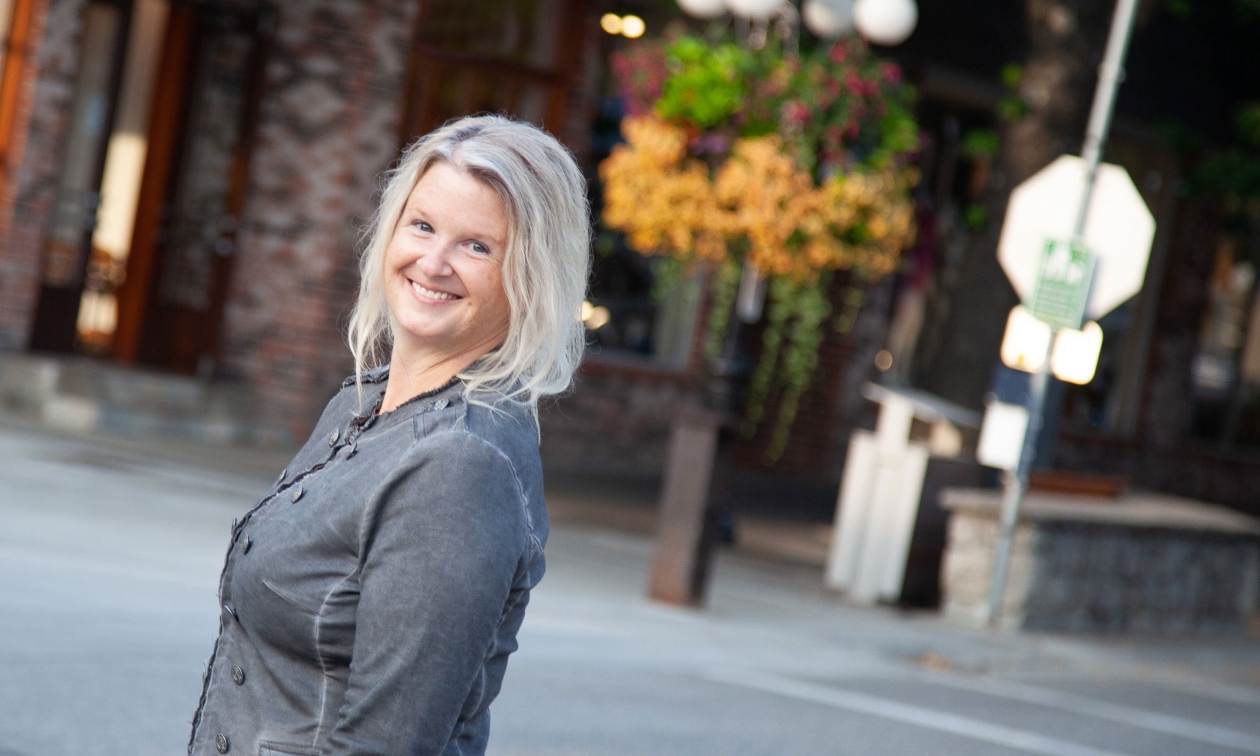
x=1062, y=289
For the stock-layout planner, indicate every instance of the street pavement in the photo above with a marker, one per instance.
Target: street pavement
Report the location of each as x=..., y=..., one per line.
x=110, y=553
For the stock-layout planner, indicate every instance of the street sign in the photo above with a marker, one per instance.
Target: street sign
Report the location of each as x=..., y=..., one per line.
x=1062, y=286
x=1118, y=231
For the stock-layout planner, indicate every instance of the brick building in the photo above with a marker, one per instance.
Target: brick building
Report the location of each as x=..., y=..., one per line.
x=184, y=183
x=183, y=186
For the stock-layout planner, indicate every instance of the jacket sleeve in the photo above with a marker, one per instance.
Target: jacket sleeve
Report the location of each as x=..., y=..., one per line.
x=442, y=550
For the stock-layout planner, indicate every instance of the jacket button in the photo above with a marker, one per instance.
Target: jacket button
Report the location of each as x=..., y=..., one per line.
x=283, y=473
x=238, y=675
x=332, y=437
x=245, y=544
x=297, y=493
x=222, y=743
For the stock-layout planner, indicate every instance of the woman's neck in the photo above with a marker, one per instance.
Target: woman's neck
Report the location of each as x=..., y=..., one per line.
x=413, y=372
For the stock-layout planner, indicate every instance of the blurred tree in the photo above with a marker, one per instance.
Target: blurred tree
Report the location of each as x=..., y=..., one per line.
x=1043, y=116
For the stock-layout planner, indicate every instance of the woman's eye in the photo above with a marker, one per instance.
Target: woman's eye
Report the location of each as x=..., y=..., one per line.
x=421, y=225
x=480, y=248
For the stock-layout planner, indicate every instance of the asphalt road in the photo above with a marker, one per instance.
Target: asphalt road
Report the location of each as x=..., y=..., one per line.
x=108, y=565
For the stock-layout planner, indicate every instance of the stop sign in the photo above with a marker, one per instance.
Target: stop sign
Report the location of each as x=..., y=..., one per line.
x=1118, y=230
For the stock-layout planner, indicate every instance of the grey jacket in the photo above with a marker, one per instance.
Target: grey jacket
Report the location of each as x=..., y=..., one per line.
x=371, y=598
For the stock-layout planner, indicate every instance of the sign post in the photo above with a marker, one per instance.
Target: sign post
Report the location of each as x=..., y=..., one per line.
x=1065, y=280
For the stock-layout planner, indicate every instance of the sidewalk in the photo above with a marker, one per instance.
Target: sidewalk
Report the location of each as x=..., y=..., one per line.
x=111, y=549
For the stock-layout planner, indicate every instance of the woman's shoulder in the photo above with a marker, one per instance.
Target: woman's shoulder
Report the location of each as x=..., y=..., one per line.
x=499, y=422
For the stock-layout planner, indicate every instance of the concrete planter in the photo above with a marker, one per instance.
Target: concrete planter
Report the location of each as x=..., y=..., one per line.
x=1140, y=563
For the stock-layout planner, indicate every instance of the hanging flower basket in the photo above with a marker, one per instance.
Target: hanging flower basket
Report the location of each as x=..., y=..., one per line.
x=793, y=168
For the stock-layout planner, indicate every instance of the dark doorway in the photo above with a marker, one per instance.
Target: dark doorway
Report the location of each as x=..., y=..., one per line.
x=69, y=244
x=170, y=305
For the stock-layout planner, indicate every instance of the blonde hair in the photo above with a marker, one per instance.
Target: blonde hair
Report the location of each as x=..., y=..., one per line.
x=545, y=266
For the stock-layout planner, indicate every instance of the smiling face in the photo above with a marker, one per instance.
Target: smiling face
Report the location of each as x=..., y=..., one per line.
x=444, y=269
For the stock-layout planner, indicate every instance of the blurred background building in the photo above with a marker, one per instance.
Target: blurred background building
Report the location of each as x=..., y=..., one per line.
x=183, y=187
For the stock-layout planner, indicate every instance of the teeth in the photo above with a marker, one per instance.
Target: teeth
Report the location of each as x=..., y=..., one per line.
x=430, y=294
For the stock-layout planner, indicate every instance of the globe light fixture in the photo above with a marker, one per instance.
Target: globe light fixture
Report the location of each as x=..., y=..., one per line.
x=756, y=10
x=703, y=9
x=632, y=27
x=611, y=23
x=885, y=22
x=828, y=19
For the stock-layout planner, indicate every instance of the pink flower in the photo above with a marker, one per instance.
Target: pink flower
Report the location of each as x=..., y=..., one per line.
x=795, y=113
x=890, y=72
x=838, y=53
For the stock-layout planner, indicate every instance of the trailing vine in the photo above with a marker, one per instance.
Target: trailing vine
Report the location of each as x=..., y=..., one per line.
x=791, y=168
x=724, y=289
x=805, y=336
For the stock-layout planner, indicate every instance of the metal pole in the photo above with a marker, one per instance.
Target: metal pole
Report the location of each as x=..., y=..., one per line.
x=1014, y=486
x=1110, y=74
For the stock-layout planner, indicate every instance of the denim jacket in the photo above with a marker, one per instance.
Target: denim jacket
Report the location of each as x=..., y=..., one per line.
x=371, y=598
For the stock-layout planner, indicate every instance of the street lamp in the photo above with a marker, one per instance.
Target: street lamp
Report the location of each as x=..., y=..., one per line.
x=756, y=10
x=706, y=10
x=885, y=22
x=828, y=19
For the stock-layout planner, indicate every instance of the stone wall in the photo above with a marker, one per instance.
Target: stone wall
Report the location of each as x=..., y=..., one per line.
x=328, y=126
x=33, y=162
x=1113, y=567
x=1107, y=578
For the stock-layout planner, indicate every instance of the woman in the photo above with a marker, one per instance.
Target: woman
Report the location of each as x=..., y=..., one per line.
x=371, y=599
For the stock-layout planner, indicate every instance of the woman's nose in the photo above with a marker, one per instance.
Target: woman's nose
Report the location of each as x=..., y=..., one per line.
x=435, y=261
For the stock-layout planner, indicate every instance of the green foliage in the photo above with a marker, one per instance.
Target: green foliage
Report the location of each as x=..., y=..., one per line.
x=1248, y=123
x=839, y=109
x=706, y=84
x=1012, y=107
x=981, y=143
x=844, y=109
x=789, y=353
x=668, y=273
x=605, y=242
x=1233, y=172
x=854, y=298
x=1011, y=75
x=779, y=310
x=1178, y=8
x=725, y=286
x=800, y=357
x=975, y=216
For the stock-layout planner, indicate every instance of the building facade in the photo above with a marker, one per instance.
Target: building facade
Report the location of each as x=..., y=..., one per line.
x=184, y=185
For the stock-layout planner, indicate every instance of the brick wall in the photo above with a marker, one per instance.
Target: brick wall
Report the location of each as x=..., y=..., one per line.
x=617, y=418
x=32, y=165
x=328, y=125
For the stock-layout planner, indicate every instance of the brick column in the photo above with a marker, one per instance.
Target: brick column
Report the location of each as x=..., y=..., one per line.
x=33, y=161
x=329, y=124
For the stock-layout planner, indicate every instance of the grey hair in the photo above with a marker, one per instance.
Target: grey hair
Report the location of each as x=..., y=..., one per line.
x=545, y=266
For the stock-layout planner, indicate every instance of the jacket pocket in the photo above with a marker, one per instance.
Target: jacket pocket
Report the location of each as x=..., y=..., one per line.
x=289, y=597
x=266, y=748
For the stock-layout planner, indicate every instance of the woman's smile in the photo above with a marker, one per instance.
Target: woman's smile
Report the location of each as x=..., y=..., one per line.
x=430, y=295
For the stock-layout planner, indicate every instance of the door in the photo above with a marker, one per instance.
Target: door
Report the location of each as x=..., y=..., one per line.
x=171, y=304
x=496, y=56
x=69, y=244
